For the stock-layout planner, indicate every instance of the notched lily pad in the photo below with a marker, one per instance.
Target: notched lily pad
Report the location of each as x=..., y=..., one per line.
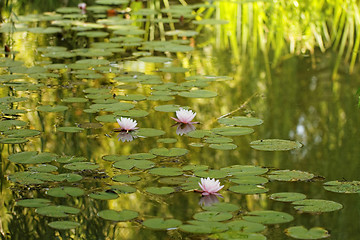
x=232, y=131
x=63, y=225
x=241, y=121
x=65, y=191
x=126, y=178
x=47, y=108
x=33, y=202
x=161, y=224
x=290, y=175
x=166, y=171
x=57, y=211
x=268, y=217
x=275, y=145
x=32, y=157
x=169, y=152
x=80, y=166
x=213, y=216
x=203, y=227
x=299, y=232
x=343, y=187
x=249, y=189
x=129, y=164
x=316, y=205
x=287, y=196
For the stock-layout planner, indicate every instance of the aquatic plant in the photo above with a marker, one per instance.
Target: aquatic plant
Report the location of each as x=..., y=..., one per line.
x=126, y=124
x=210, y=186
x=184, y=116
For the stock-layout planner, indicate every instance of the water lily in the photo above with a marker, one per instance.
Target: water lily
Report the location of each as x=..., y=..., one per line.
x=82, y=6
x=210, y=186
x=126, y=124
x=184, y=129
x=185, y=116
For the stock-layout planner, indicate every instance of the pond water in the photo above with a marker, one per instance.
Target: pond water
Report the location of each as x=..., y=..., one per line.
x=68, y=172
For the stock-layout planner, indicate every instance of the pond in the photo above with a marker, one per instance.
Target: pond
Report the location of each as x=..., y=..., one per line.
x=113, y=113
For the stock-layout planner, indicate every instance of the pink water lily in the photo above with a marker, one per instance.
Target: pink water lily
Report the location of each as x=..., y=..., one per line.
x=126, y=124
x=210, y=186
x=184, y=116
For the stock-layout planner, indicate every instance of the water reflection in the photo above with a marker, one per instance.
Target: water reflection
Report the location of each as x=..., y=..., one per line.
x=126, y=136
x=184, y=128
x=208, y=200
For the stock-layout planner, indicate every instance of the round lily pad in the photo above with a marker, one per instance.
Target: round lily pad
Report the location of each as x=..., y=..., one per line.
x=212, y=173
x=15, y=140
x=343, y=187
x=316, y=205
x=70, y=129
x=32, y=157
x=268, y=217
x=213, y=216
x=161, y=224
x=290, y=175
x=81, y=166
x=118, y=216
x=47, y=108
x=232, y=131
x=33, y=202
x=287, y=196
x=300, y=232
x=129, y=164
x=57, y=211
x=65, y=191
x=249, y=189
x=203, y=227
x=155, y=59
x=62, y=225
x=21, y=133
x=150, y=132
x=198, y=94
x=169, y=152
x=43, y=168
x=166, y=171
x=241, y=121
x=160, y=190
x=245, y=226
x=104, y=195
x=218, y=140
x=275, y=145
x=249, y=179
x=223, y=146
x=245, y=170
x=126, y=178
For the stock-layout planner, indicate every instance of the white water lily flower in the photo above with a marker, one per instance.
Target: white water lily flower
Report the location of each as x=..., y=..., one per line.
x=127, y=124
x=210, y=186
x=184, y=116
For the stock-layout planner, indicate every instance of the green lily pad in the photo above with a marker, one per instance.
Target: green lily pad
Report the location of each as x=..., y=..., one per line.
x=287, y=196
x=275, y=145
x=223, y=146
x=150, y=132
x=104, y=195
x=166, y=171
x=232, y=131
x=13, y=140
x=63, y=225
x=21, y=133
x=65, y=191
x=7, y=124
x=142, y=156
x=200, y=134
x=160, y=190
x=249, y=189
x=47, y=108
x=245, y=170
x=167, y=108
x=123, y=189
x=155, y=59
x=70, y=129
x=218, y=140
x=210, y=173
x=33, y=202
x=32, y=157
x=115, y=158
x=316, y=205
x=222, y=207
x=161, y=224
x=299, y=232
x=70, y=159
x=118, y=216
x=169, y=152
x=126, y=178
x=211, y=21
x=241, y=121
x=70, y=177
x=129, y=164
x=213, y=216
x=131, y=97
x=203, y=227
x=43, y=168
x=80, y=166
x=290, y=175
x=249, y=180
x=268, y=217
x=343, y=187
x=57, y=211
x=132, y=113
x=12, y=99
x=198, y=94
x=245, y=226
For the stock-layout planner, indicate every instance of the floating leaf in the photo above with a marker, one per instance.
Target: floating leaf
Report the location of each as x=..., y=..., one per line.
x=68, y=159
x=150, y=132
x=70, y=129
x=245, y=226
x=275, y=145
x=245, y=170
x=21, y=133
x=160, y=190
x=126, y=178
x=299, y=232
x=62, y=225
x=287, y=196
x=161, y=224
x=13, y=140
x=47, y=108
x=70, y=177
x=169, y=152
x=241, y=121
x=43, y=168
x=203, y=227
x=218, y=140
x=129, y=164
x=155, y=59
x=200, y=134
x=114, y=158
x=105, y=195
x=81, y=166
x=32, y=157
x=213, y=216
x=210, y=173
x=232, y=131
x=65, y=191
x=248, y=189
x=167, y=108
x=57, y=211
x=198, y=94
x=268, y=217
x=290, y=175
x=223, y=146
x=33, y=202
x=343, y=187
x=166, y=171
x=249, y=179
x=118, y=216
x=316, y=205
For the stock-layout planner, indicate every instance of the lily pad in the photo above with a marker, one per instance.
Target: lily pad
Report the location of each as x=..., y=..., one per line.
x=118, y=216
x=123, y=189
x=33, y=202
x=47, y=108
x=245, y=170
x=212, y=173
x=70, y=129
x=13, y=140
x=343, y=187
x=245, y=226
x=57, y=211
x=166, y=171
x=169, y=152
x=21, y=133
x=32, y=157
x=104, y=195
x=126, y=178
x=316, y=205
x=213, y=216
x=198, y=94
x=63, y=225
x=203, y=227
x=65, y=191
x=249, y=189
x=43, y=168
x=287, y=196
x=299, y=232
x=223, y=146
x=161, y=224
x=268, y=217
x=200, y=134
x=275, y=145
x=81, y=166
x=249, y=180
x=290, y=175
x=241, y=121
x=129, y=164
x=160, y=190
x=232, y=131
